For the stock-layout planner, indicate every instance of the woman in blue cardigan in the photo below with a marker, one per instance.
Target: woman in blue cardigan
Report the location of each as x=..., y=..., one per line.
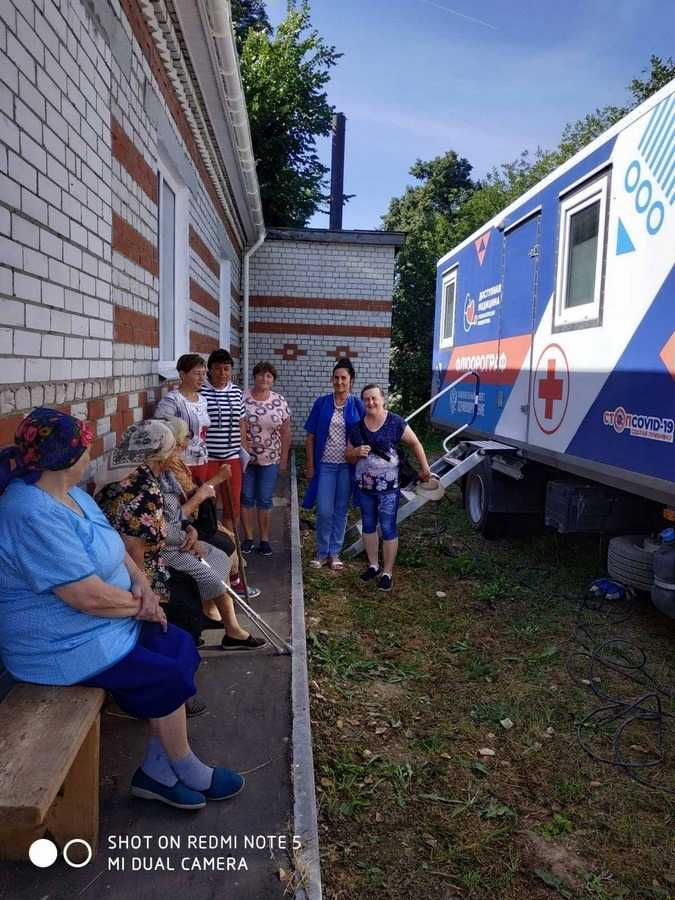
x=331, y=478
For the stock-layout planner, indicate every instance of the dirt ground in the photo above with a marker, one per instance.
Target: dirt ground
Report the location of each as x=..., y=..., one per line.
x=447, y=716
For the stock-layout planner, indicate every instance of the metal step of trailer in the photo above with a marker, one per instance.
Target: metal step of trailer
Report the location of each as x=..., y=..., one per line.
x=449, y=468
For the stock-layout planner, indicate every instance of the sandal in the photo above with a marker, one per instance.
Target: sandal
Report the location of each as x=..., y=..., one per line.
x=317, y=563
x=336, y=565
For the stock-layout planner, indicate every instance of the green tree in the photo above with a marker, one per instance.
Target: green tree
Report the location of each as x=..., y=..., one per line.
x=247, y=14
x=284, y=76
x=426, y=213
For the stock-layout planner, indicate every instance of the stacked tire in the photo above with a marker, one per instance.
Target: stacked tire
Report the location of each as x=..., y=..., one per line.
x=630, y=560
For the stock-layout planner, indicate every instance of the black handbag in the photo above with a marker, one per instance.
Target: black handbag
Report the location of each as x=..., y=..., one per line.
x=407, y=474
x=206, y=522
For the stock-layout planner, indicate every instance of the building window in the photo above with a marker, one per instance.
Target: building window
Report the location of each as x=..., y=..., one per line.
x=448, y=295
x=173, y=229
x=581, y=248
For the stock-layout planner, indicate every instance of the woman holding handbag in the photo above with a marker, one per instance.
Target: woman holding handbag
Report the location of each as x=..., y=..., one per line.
x=371, y=445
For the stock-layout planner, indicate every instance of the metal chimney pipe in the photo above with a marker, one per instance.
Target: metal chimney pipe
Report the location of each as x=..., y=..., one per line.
x=337, y=172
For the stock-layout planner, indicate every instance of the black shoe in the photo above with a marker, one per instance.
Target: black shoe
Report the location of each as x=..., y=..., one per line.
x=369, y=573
x=264, y=548
x=194, y=707
x=385, y=582
x=208, y=623
x=249, y=643
x=247, y=546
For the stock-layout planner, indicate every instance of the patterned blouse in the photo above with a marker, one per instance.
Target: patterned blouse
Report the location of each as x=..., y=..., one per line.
x=264, y=419
x=135, y=507
x=334, y=451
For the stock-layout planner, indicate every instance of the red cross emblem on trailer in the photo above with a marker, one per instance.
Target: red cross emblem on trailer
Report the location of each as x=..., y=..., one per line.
x=551, y=388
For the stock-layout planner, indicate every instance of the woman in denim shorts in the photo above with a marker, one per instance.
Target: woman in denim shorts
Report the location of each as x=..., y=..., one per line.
x=371, y=444
x=268, y=427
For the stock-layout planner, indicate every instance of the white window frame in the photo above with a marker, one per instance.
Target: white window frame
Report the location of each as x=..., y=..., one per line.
x=225, y=320
x=449, y=278
x=589, y=313
x=167, y=172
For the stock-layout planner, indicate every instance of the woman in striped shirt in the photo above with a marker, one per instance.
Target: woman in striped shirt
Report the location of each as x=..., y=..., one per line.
x=227, y=431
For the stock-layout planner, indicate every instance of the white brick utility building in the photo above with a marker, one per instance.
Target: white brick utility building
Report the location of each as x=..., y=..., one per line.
x=130, y=221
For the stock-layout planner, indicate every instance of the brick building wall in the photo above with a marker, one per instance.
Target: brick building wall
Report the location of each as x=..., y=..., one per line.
x=86, y=112
x=315, y=296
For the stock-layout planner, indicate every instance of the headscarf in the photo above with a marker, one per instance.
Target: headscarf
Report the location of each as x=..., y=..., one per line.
x=46, y=440
x=177, y=465
x=142, y=442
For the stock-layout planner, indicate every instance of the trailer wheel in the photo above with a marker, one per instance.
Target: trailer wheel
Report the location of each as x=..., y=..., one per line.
x=630, y=560
x=477, y=487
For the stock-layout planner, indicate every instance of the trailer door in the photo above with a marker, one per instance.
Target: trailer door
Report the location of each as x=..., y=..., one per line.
x=520, y=275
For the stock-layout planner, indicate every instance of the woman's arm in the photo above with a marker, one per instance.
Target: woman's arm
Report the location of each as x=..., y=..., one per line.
x=202, y=493
x=354, y=454
x=141, y=589
x=285, y=443
x=94, y=596
x=410, y=438
x=243, y=433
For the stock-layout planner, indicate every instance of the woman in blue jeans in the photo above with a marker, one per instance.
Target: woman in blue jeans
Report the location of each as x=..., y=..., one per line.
x=372, y=447
x=331, y=478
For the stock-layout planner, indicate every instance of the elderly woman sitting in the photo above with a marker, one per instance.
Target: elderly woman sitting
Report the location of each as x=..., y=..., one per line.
x=197, y=502
x=152, y=526
x=76, y=609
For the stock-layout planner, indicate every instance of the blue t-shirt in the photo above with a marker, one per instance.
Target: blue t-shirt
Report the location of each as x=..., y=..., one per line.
x=374, y=474
x=43, y=545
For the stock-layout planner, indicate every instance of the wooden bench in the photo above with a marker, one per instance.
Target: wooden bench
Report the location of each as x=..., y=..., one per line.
x=49, y=766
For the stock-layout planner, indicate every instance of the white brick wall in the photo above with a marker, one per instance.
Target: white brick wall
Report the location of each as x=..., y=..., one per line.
x=317, y=270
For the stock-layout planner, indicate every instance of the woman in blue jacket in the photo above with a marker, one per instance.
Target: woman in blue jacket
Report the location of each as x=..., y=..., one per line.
x=331, y=478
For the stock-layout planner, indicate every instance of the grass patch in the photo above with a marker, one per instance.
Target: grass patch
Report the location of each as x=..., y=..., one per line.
x=422, y=791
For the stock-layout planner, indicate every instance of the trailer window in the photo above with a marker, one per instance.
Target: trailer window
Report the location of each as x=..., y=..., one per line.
x=581, y=255
x=448, y=294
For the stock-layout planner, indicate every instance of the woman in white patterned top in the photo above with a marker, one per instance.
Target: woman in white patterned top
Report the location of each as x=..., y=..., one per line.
x=186, y=403
x=331, y=477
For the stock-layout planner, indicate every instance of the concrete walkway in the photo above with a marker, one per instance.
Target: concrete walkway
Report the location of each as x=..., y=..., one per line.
x=232, y=850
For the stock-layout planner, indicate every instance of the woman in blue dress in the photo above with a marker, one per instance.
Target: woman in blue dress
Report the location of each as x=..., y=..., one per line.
x=331, y=478
x=75, y=609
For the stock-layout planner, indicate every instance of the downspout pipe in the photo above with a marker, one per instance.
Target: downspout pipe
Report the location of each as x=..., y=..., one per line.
x=245, y=300
x=220, y=17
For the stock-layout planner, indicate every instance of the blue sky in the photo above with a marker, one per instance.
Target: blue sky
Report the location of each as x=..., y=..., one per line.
x=420, y=77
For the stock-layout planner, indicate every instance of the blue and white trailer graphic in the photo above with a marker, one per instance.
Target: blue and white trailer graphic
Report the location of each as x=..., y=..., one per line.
x=564, y=304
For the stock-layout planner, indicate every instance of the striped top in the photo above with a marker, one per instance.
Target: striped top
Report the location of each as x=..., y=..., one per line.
x=226, y=410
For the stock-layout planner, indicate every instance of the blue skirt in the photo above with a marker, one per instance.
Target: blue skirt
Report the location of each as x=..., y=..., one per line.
x=156, y=677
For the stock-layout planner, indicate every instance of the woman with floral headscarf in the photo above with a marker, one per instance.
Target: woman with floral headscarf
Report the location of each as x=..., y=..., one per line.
x=76, y=609
x=155, y=533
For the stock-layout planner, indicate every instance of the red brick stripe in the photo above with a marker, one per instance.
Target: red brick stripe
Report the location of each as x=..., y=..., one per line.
x=203, y=298
x=203, y=251
x=128, y=156
x=320, y=303
x=130, y=243
x=234, y=321
x=307, y=328
x=131, y=327
x=145, y=40
x=202, y=343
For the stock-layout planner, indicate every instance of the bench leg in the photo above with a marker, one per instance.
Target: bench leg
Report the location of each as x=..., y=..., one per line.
x=74, y=813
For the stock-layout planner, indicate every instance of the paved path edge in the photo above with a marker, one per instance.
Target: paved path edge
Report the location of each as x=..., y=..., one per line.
x=304, y=795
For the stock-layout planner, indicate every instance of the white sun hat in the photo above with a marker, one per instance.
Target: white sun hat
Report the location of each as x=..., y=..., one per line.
x=431, y=489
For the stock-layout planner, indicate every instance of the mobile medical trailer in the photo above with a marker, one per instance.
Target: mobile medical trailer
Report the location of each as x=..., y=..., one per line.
x=564, y=306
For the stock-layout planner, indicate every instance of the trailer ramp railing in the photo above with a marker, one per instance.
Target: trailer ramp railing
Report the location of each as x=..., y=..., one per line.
x=449, y=387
